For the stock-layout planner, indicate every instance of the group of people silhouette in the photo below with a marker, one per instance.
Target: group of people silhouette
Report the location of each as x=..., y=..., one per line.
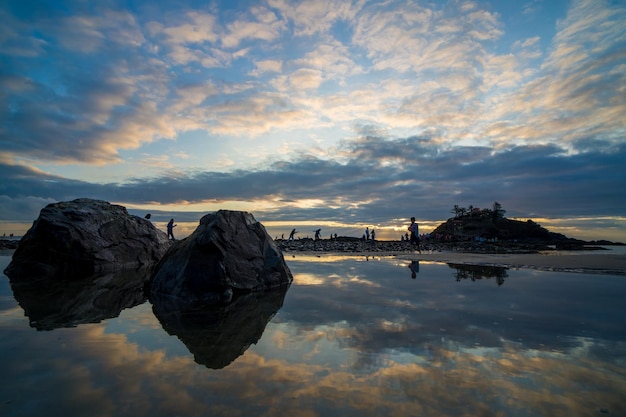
x=413, y=228
x=367, y=234
x=412, y=235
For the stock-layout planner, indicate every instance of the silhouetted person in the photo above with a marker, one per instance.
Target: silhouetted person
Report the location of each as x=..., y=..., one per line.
x=373, y=234
x=367, y=233
x=148, y=216
x=415, y=237
x=170, y=229
x=317, y=234
x=292, y=234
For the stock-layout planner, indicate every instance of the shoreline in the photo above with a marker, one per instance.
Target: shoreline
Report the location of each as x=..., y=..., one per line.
x=511, y=256
x=587, y=264
x=507, y=256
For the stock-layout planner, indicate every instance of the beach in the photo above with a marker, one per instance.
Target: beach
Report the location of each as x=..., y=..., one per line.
x=586, y=263
x=509, y=256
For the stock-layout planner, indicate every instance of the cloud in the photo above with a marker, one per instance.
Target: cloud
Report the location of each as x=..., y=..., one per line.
x=12, y=39
x=378, y=180
x=278, y=92
x=306, y=79
x=575, y=95
x=264, y=25
x=198, y=28
x=433, y=70
x=311, y=17
x=332, y=59
x=268, y=65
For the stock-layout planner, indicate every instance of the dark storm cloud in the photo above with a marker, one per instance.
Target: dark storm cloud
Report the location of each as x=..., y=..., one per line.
x=381, y=180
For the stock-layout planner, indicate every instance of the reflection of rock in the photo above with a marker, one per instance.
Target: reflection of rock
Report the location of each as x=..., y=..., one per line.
x=71, y=240
x=52, y=304
x=229, y=252
x=475, y=272
x=218, y=334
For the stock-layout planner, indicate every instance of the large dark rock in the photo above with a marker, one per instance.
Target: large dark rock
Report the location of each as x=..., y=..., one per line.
x=229, y=252
x=84, y=237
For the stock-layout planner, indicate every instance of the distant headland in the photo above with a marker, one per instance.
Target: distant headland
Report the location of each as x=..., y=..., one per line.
x=471, y=230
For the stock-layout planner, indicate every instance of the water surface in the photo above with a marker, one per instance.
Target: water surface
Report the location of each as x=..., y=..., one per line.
x=353, y=336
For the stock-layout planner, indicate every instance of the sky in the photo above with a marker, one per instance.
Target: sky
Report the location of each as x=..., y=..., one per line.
x=332, y=114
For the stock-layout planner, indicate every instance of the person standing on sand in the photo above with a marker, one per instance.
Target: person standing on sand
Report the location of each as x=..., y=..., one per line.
x=415, y=237
x=170, y=229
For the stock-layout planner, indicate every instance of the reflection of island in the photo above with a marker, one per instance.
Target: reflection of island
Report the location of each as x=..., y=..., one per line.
x=218, y=334
x=475, y=272
x=51, y=304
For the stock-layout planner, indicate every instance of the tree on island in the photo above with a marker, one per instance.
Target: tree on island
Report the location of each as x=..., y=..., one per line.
x=459, y=211
x=497, y=212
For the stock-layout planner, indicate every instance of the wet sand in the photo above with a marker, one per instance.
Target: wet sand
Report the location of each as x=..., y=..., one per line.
x=586, y=263
x=583, y=263
x=509, y=255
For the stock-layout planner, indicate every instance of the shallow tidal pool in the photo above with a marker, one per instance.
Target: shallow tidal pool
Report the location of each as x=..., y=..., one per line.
x=352, y=336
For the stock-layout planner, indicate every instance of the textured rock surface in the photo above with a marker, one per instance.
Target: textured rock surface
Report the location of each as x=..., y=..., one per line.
x=83, y=237
x=228, y=252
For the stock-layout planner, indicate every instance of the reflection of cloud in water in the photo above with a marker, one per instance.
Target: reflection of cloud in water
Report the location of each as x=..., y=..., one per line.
x=336, y=351
x=310, y=279
x=328, y=258
x=335, y=280
x=445, y=378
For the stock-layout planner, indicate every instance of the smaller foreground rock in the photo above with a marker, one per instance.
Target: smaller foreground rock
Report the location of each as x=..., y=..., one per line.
x=80, y=238
x=229, y=252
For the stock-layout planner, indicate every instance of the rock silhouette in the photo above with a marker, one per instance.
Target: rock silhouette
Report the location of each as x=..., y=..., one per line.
x=229, y=252
x=80, y=238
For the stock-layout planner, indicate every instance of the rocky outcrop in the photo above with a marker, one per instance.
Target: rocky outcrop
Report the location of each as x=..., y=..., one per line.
x=84, y=237
x=6, y=244
x=471, y=226
x=229, y=252
x=390, y=247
